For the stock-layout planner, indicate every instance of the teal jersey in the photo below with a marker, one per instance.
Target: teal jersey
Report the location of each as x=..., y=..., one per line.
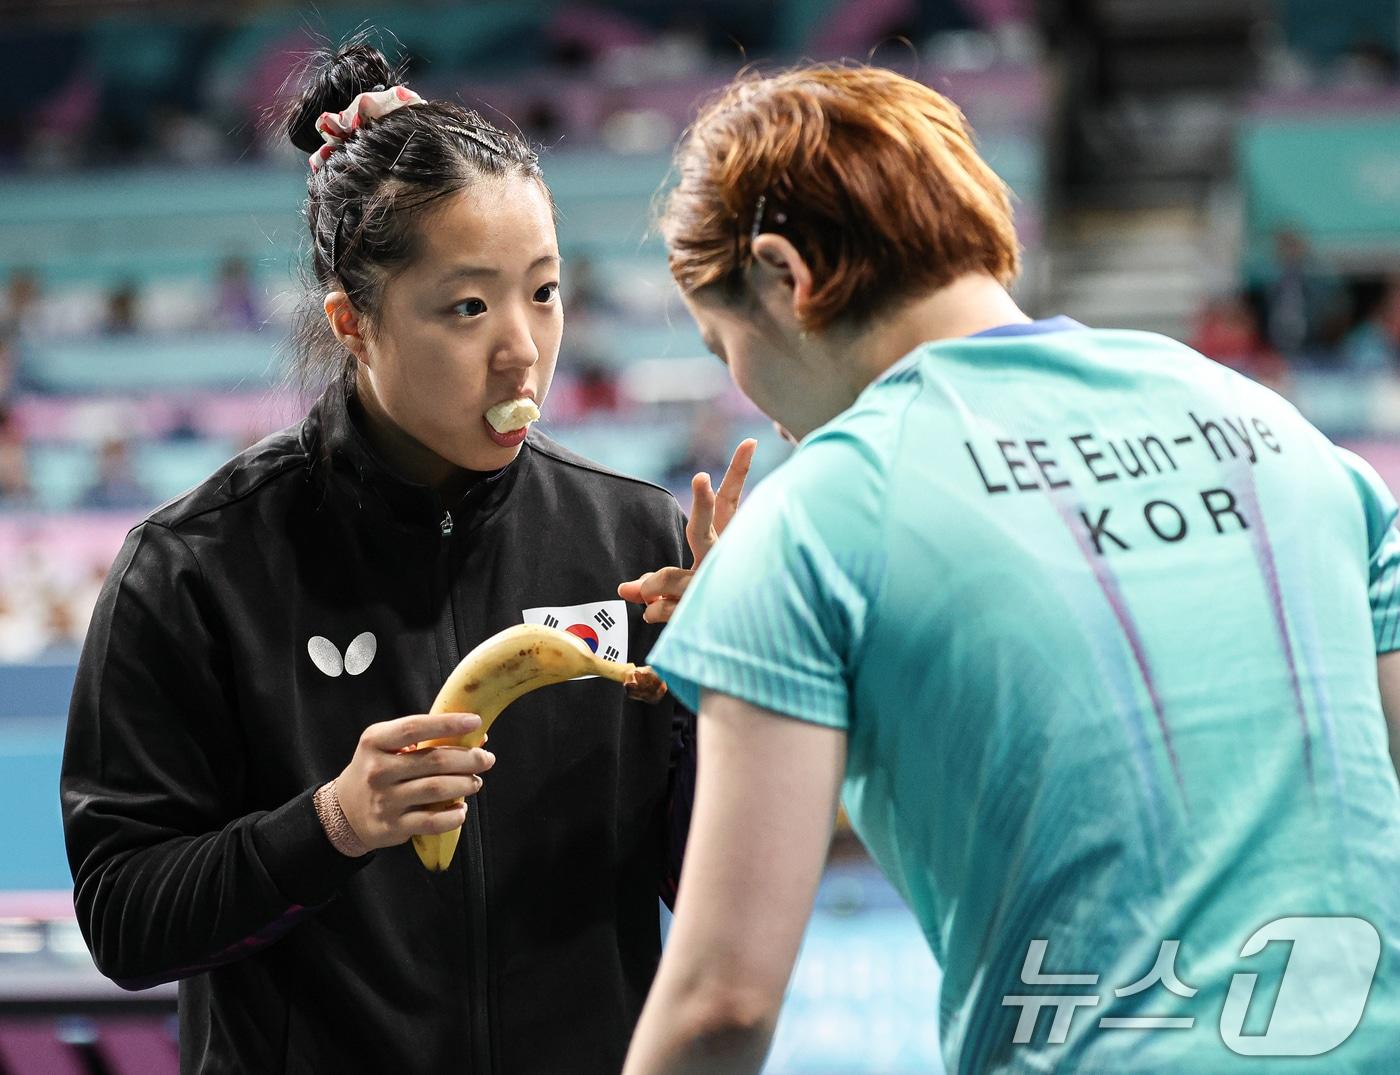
x=1099, y=619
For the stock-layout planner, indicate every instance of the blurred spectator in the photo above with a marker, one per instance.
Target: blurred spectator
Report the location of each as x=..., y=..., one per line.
x=122, y=306
x=707, y=450
x=22, y=315
x=86, y=592
x=18, y=632
x=238, y=306
x=186, y=138
x=183, y=426
x=1369, y=64
x=1304, y=304
x=1374, y=345
x=542, y=121
x=597, y=387
x=16, y=491
x=41, y=622
x=584, y=296
x=1226, y=331
x=61, y=630
x=117, y=486
x=9, y=367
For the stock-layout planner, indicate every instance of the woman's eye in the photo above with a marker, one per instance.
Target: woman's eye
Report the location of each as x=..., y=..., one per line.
x=547, y=293
x=470, y=308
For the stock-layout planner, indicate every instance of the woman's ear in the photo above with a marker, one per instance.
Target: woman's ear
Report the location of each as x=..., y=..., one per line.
x=345, y=323
x=781, y=276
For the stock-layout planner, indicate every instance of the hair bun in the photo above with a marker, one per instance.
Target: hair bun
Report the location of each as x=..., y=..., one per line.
x=332, y=81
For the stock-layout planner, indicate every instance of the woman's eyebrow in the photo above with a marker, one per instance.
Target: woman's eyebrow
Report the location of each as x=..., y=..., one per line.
x=463, y=272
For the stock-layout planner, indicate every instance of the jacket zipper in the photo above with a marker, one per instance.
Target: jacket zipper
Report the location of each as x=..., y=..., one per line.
x=473, y=868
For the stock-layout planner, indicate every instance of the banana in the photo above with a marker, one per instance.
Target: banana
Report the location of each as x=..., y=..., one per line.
x=513, y=414
x=507, y=665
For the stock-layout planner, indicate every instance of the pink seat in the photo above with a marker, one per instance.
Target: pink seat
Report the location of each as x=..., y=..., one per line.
x=137, y=1047
x=32, y=1048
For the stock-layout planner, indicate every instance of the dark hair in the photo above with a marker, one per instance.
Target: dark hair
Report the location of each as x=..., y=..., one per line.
x=365, y=201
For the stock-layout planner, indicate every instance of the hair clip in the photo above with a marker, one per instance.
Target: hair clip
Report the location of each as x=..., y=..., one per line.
x=484, y=137
x=759, y=207
x=335, y=242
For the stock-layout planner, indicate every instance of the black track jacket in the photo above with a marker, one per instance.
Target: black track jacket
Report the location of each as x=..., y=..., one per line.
x=204, y=716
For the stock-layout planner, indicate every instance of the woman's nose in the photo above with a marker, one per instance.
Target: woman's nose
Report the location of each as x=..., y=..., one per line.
x=516, y=347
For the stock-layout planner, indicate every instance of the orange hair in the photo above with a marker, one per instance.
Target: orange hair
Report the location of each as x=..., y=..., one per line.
x=872, y=176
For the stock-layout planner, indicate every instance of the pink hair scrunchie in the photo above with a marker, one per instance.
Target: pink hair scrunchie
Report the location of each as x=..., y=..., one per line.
x=336, y=127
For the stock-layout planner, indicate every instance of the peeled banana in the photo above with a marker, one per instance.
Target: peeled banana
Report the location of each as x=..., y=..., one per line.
x=513, y=414
x=497, y=672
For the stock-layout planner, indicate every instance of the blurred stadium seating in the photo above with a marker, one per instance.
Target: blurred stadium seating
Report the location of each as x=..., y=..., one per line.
x=1227, y=171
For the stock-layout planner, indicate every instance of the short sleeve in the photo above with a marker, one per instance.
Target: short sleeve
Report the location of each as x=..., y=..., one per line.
x=1383, y=549
x=777, y=612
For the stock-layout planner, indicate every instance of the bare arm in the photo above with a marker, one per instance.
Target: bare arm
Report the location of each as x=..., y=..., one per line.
x=764, y=807
x=1388, y=669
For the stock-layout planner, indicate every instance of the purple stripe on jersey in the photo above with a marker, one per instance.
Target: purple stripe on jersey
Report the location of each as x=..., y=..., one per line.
x=1113, y=594
x=1312, y=658
x=1120, y=679
x=1268, y=570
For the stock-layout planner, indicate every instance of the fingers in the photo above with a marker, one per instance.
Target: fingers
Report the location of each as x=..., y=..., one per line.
x=699, y=530
x=394, y=735
x=433, y=822
x=668, y=582
x=711, y=511
x=660, y=611
x=732, y=487
x=631, y=592
x=435, y=789
x=440, y=761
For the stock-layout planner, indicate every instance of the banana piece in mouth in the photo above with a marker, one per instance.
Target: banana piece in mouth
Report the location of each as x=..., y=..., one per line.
x=512, y=415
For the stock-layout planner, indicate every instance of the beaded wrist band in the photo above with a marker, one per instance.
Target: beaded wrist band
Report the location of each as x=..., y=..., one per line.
x=336, y=824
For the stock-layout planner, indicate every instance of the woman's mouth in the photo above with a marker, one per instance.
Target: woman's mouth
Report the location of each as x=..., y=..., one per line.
x=508, y=421
x=512, y=439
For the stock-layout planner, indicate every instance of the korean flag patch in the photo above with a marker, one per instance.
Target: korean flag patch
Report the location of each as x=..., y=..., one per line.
x=601, y=625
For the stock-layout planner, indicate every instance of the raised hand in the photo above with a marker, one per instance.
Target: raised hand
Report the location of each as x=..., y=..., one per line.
x=710, y=512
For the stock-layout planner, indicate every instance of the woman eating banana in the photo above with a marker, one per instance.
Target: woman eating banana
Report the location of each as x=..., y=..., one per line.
x=1095, y=635
x=239, y=784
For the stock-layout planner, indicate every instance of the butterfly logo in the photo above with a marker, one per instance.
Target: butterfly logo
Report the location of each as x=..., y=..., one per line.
x=359, y=655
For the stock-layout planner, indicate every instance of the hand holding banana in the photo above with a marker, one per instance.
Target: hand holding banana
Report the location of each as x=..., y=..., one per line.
x=710, y=513
x=390, y=792
x=507, y=665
